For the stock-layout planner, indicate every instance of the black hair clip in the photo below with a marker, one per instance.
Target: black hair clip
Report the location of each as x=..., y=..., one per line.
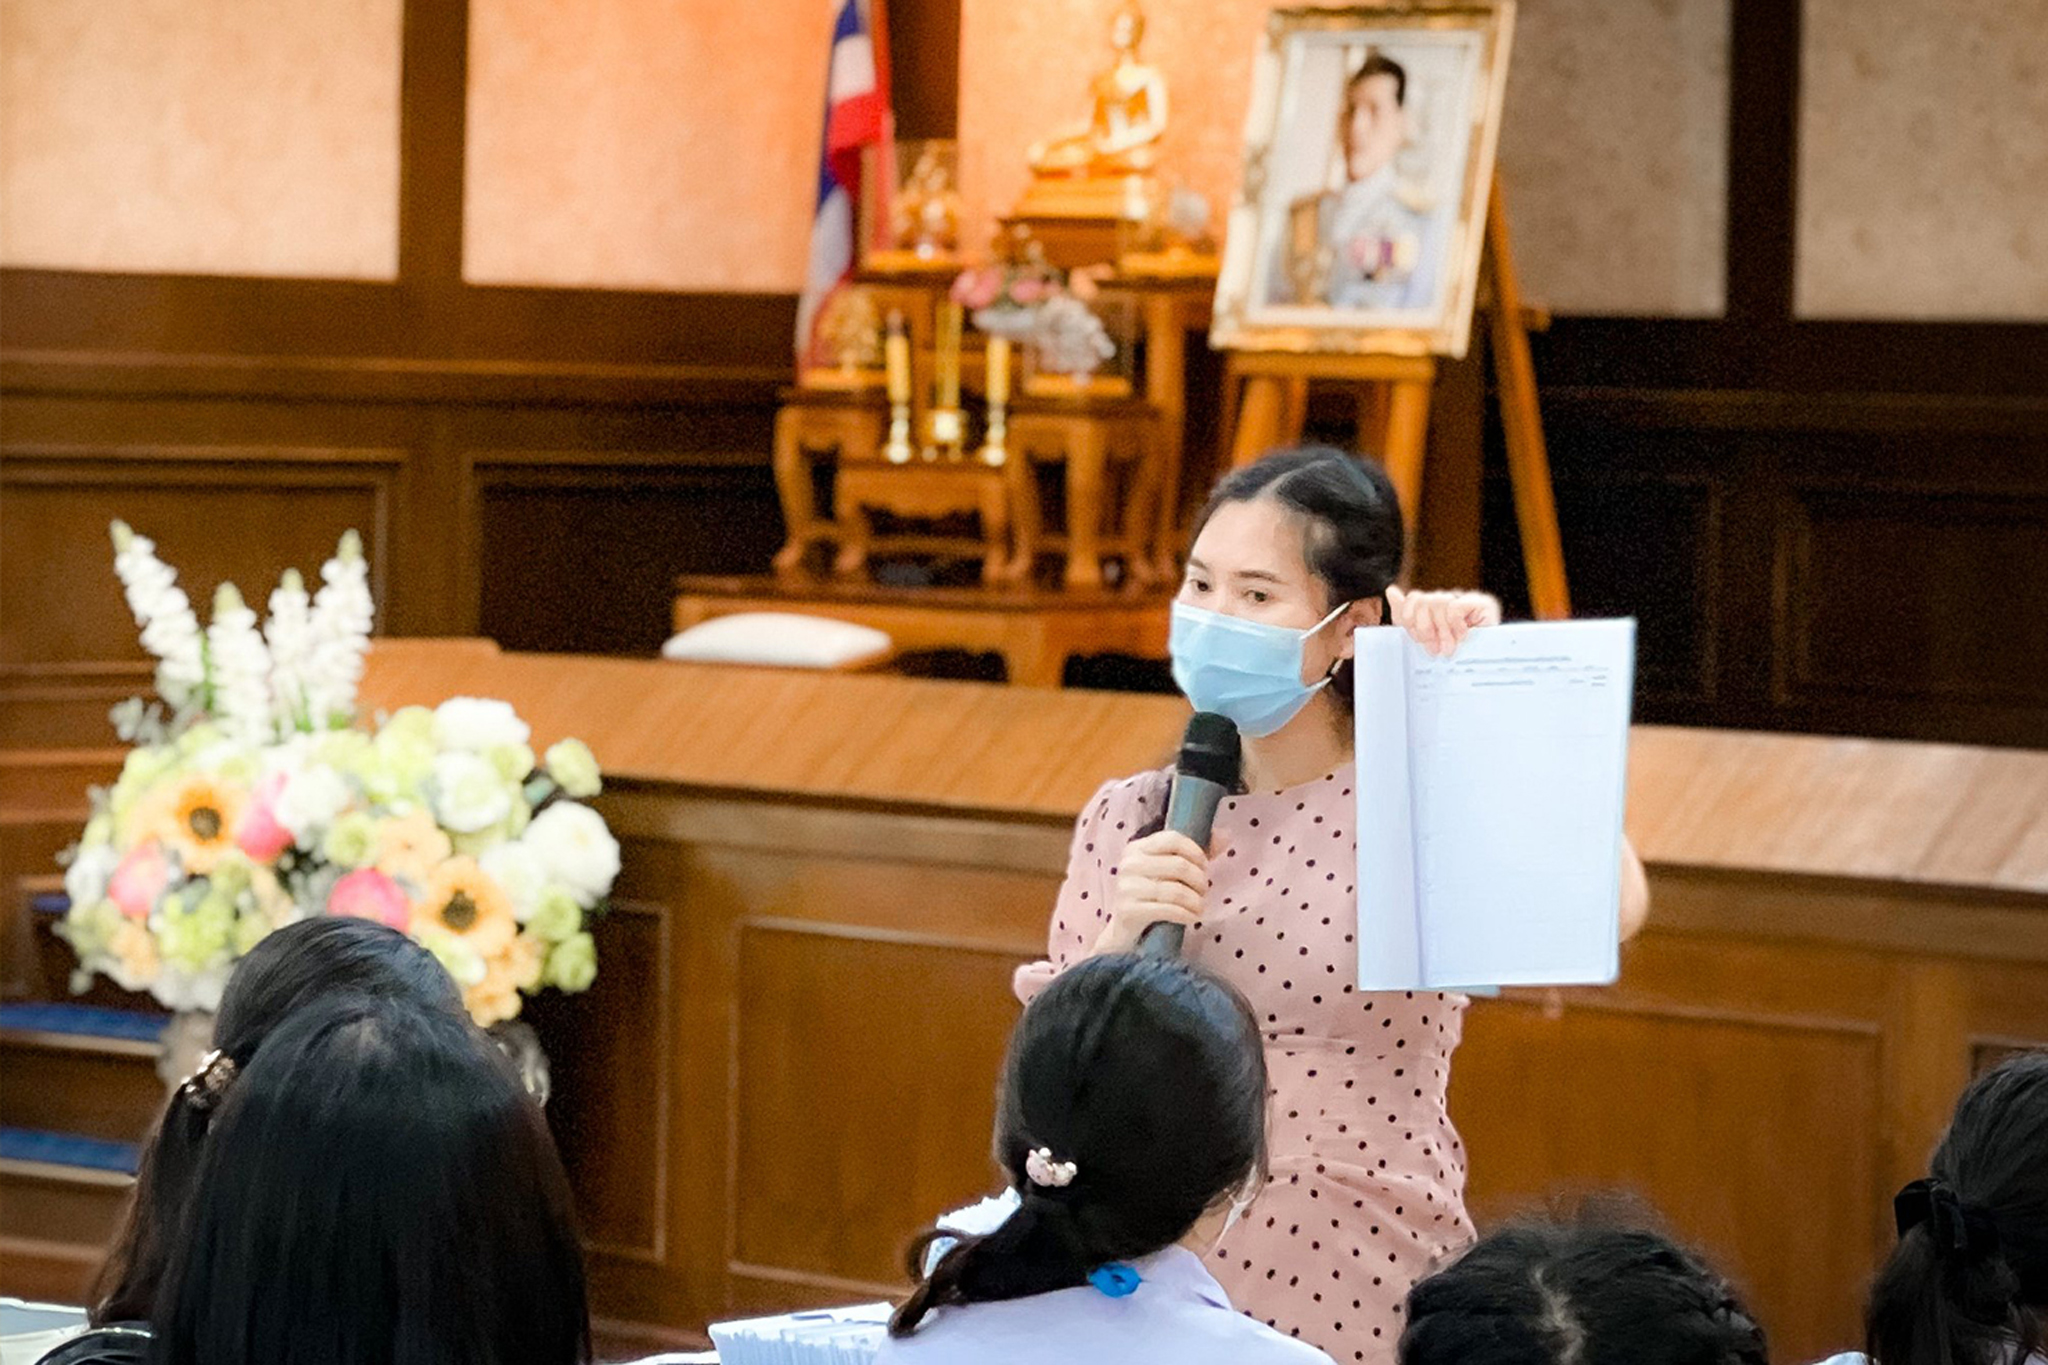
x=1956, y=1229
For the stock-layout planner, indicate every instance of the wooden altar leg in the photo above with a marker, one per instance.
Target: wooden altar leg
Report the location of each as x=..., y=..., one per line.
x=1165, y=384
x=1261, y=417
x=1294, y=416
x=854, y=534
x=793, y=488
x=1026, y=521
x=1407, y=435
x=1030, y=657
x=1522, y=427
x=1372, y=414
x=1085, y=458
x=1141, y=508
x=995, y=528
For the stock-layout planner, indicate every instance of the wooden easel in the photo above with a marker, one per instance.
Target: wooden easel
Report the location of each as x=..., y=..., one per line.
x=1394, y=394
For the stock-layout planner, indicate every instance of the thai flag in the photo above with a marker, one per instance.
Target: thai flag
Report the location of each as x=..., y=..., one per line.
x=856, y=116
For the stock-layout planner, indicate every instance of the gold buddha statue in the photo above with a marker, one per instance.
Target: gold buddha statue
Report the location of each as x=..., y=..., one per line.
x=1102, y=168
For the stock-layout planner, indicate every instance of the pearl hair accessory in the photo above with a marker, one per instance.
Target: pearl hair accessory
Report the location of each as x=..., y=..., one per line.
x=1043, y=1170
x=205, y=1086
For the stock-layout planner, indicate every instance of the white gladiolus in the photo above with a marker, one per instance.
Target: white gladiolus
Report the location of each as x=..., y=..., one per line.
x=289, y=633
x=576, y=849
x=342, y=616
x=170, y=630
x=241, y=669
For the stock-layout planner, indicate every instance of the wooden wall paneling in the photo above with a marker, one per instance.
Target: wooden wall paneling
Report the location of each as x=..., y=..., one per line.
x=1670, y=1102
x=1851, y=556
x=217, y=513
x=613, y=1050
x=65, y=706
x=1792, y=564
x=820, y=931
x=841, y=1151
x=639, y=521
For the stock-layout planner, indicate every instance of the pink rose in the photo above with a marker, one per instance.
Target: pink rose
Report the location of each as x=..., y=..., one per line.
x=139, y=880
x=1029, y=291
x=261, y=836
x=369, y=894
x=976, y=288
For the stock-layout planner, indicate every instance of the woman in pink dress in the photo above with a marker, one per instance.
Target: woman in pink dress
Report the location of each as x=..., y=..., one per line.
x=1368, y=1175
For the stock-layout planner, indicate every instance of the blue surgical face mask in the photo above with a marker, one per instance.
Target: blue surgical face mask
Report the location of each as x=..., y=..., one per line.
x=1246, y=670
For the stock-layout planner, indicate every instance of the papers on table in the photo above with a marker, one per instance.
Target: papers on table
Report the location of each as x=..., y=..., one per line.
x=830, y=1336
x=28, y=1330
x=1489, y=806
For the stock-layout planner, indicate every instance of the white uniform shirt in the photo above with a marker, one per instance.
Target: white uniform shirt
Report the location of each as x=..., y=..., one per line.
x=1178, y=1315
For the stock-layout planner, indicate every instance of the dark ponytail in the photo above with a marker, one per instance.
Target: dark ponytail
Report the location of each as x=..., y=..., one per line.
x=1968, y=1281
x=287, y=970
x=1351, y=522
x=1148, y=1076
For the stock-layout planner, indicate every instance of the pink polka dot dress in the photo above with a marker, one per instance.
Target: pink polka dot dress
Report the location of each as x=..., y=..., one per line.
x=1368, y=1175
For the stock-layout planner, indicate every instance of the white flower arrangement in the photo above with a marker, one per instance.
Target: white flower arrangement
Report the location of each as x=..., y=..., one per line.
x=256, y=801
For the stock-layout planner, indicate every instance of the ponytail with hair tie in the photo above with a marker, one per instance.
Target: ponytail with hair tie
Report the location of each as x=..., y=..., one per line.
x=1967, y=1283
x=1133, y=1099
x=1959, y=1231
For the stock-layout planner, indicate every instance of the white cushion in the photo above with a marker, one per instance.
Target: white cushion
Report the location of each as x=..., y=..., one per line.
x=780, y=639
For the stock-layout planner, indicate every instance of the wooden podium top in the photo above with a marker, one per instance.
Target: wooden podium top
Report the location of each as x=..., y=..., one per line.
x=1867, y=809
x=859, y=738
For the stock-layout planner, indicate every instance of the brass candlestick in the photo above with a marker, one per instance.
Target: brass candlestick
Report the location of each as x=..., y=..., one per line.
x=896, y=353
x=993, y=451
x=947, y=424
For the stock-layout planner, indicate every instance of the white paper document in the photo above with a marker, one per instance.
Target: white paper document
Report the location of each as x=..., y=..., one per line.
x=829, y=1336
x=1490, y=790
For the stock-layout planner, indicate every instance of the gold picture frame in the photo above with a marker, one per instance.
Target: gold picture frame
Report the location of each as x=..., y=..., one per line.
x=1369, y=152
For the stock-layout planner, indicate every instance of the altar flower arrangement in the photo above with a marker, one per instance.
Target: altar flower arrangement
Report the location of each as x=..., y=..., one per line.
x=1029, y=301
x=1004, y=299
x=256, y=795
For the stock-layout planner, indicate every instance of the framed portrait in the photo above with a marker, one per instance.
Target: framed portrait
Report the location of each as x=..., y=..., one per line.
x=1369, y=151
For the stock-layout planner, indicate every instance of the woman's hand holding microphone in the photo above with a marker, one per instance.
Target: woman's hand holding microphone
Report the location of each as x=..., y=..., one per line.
x=1162, y=878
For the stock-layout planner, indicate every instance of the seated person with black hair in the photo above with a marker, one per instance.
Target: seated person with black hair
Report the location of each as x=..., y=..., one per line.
x=377, y=1189
x=1968, y=1282
x=1131, y=1123
x=289, y=970
x=1584, y=1294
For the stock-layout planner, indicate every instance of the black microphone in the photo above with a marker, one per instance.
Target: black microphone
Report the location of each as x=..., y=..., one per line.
x=1211, y=758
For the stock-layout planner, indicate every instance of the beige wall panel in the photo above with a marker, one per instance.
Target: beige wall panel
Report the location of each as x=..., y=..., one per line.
x=200, y=136
x=1614, y=150
x=1615, y=136
x=1923, y=160
x=643, y=144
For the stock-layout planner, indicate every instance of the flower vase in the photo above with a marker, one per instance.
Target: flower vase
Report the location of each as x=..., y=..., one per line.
x=1012, y=323
x=186, y=1039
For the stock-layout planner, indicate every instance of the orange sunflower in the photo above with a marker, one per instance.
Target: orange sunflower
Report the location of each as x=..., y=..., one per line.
x=198, y=823
x=464, y=901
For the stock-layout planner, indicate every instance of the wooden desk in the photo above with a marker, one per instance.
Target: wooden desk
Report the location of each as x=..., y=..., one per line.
x=786, y=1064
x=1035, y=631
x=828, y=880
